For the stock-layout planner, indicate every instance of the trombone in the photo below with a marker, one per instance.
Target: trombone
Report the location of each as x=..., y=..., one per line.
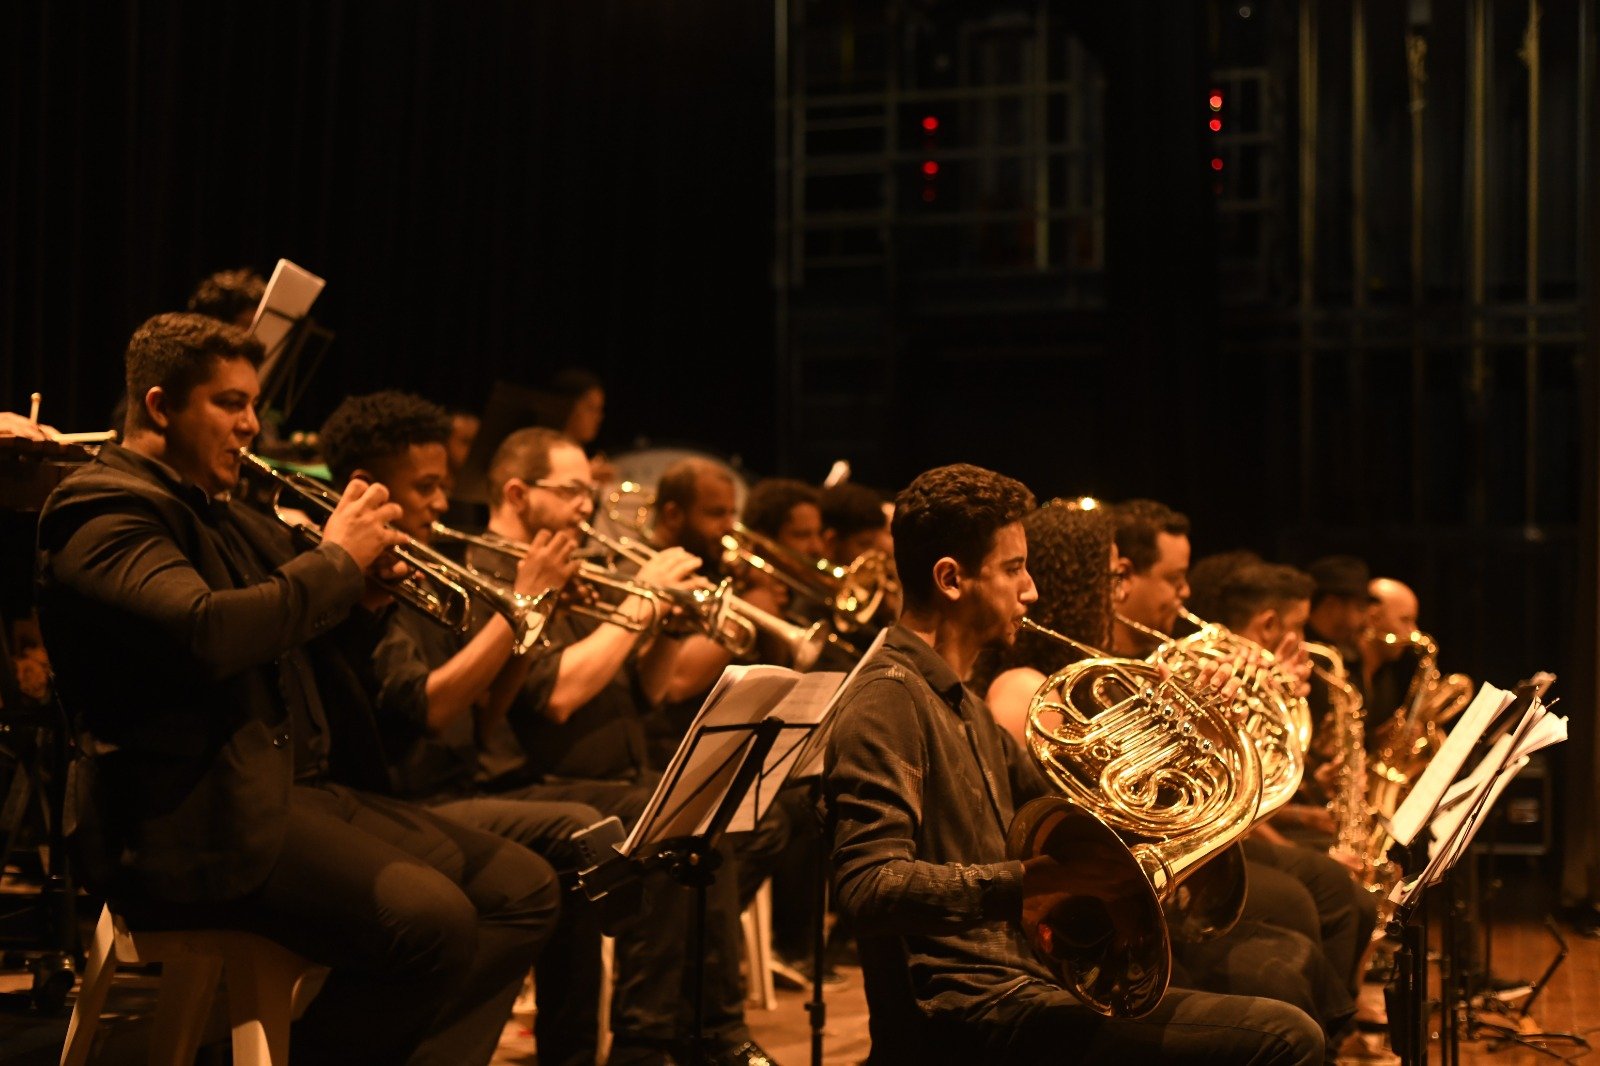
x=435, y=585
x=724, y=617
x=853, y=594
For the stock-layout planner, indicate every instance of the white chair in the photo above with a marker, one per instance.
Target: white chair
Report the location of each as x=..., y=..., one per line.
x=263, y=979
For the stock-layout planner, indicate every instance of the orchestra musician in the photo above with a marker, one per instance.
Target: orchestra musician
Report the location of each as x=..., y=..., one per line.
x=578, y=719
x=1276, y=949
x=921, y=786
x=430, y=684
x=183, y=627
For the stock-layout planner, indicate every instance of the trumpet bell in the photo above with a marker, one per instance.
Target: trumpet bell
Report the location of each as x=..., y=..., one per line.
x=1109, y=947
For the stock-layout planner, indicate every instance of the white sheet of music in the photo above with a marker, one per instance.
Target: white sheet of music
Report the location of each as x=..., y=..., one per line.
x=290, y=293
x=1424, y=796
x=699, y=774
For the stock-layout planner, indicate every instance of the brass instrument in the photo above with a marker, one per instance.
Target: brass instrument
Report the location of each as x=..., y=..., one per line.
x=727, y=619
x=435, y=585
x=1155, y=781
x=1413, y=735
x=1357, y=832
x=1276, y=719
x=855, y=595
x=593, y=580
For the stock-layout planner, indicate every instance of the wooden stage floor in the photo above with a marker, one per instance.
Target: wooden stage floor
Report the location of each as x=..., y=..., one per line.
x=1521, y=949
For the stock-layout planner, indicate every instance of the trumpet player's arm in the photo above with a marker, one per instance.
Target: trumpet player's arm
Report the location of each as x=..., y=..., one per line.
x=583, y=668
x=701, y=660
x=127, y=561
x=880, y=804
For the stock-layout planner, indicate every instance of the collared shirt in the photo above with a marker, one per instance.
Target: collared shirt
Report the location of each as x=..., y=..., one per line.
x=604, y=740
x=921, y=786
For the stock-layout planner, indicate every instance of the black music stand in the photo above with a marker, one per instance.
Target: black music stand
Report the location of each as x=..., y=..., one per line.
x=293, y=362
x=1407, y=995
x=692, y=859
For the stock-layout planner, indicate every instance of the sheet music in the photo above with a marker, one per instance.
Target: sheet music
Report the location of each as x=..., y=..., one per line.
x=289, y=296
x=1424, y=796
x=704, y=766
x=1463, y=805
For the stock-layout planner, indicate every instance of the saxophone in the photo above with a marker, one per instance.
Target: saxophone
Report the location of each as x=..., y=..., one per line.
x=1357, y=833
x=1413, y=733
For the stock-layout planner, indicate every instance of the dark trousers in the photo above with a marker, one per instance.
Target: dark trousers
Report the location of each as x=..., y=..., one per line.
x=567, y=975
x=1346, y=912
x=1042, y=1023
x=652, y=992
x=427, y=928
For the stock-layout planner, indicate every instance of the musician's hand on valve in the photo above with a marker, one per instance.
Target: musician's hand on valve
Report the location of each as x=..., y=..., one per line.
x=362, y=523
x=548, y=563
x=1296, y=662
x=669, y=568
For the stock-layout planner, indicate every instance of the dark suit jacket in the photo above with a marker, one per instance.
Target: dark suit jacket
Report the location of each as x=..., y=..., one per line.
x=171, y=659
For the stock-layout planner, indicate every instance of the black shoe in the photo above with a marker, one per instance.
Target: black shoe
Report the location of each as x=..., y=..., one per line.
x=748, y=1053
x=1584, y=919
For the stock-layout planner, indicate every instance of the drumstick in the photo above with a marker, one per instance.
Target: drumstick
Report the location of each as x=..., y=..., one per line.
x=33, y=411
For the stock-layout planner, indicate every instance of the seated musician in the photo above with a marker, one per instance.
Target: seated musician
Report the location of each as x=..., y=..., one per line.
x=1264, y=602
x=1384, y=667
x=853, y=521
x=430, y=681
x=182, y=625
x=1339, y=605
x=230, y=296
x=1275, y=950
x=576, y=722
x=787, y=511
x=695, y=507
x=921, y=787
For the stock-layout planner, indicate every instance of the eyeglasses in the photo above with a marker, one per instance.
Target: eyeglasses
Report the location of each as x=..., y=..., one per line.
x=569, y=490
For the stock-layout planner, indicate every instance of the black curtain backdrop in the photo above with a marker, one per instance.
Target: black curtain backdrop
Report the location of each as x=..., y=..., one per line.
x=492, y=189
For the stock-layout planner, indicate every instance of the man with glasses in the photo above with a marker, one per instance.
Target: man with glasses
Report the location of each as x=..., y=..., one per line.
x=1154, y=539
x=576, y=722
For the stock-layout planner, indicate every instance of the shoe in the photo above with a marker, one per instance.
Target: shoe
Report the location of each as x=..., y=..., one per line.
x=748, y=1053
x=1356, y=1050
x=1583, y=919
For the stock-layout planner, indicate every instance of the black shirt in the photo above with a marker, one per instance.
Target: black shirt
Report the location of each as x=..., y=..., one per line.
x=921, y=786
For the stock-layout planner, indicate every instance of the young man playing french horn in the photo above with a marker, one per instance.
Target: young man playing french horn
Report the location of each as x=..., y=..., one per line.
x=921, y=788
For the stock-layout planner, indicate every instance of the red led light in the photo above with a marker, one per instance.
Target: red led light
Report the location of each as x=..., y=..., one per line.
x=929, y=167
x=1216, y=101
x=930, y=122
x=1216, y=125
x=929, y=195
x=1216, y=164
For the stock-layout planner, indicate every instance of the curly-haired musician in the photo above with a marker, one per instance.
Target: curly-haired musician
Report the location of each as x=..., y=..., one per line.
x=921, y=786
x=185, y=632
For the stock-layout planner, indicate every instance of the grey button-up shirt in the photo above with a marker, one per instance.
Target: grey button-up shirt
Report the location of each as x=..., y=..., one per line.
x=921, y=785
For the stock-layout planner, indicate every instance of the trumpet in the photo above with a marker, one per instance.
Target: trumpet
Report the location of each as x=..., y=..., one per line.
x=854, y=595
x=727, y=619
x=592, y=578
x=435, y=585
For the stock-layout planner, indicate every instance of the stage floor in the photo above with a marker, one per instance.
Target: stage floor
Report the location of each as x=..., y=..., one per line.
x=1522, y=948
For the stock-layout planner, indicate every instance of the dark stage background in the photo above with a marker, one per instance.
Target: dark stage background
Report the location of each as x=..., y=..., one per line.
x=498, y=189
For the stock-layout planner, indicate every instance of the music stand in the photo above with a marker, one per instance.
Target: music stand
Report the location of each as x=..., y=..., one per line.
x=285, y=328
x=1434, y=855
x=729, y=764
